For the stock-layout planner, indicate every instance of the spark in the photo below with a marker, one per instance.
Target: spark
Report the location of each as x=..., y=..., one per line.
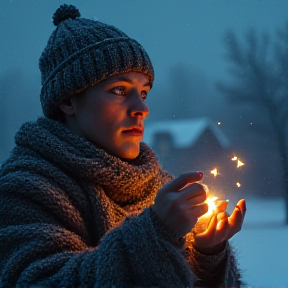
x=239, y=163
x=238, y=184
x=211, y=204
x=219, y=123
x=214, y=172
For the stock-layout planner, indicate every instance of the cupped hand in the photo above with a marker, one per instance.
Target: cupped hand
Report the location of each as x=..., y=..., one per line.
x=221, y=227
x=180, y=202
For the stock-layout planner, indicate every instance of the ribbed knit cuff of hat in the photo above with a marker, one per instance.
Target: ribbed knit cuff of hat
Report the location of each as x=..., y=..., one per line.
x=163, y=232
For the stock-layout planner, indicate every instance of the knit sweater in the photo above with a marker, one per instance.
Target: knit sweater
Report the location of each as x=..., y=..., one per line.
x=72, y=215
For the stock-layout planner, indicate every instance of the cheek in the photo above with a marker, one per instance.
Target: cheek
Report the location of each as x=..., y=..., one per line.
x=103, y=119
x=110, y=114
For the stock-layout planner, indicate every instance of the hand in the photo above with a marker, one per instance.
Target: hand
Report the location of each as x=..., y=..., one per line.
x=221, y=227
x=180, y=202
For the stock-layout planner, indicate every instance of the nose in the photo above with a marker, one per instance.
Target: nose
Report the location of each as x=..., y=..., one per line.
x=138, y=106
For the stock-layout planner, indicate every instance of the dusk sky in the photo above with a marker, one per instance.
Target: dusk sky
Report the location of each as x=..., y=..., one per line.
x=190, y=31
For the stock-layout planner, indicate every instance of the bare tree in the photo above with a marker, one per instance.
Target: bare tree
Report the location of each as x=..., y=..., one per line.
x=260, y=77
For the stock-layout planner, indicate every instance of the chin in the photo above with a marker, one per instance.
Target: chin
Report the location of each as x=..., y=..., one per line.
x=130, y=153
x=130, y=156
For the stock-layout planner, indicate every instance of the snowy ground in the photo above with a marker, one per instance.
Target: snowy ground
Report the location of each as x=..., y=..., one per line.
x=263, y=244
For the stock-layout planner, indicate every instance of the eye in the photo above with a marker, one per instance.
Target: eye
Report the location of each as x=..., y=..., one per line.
x=144, y=94
x=119, y=90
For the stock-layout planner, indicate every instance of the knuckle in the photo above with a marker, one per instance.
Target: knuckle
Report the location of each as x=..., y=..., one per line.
x=197, y=187
x=201, y=209
x=176, y=204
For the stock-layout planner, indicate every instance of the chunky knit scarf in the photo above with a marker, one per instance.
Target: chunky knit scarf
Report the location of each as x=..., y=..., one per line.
x=73, y=215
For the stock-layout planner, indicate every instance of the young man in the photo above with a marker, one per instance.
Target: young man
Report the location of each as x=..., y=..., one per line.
x=83, y=201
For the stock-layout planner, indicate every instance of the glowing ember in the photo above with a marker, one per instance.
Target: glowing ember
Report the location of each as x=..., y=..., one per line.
x=215, y=203
x=238, y=184
x=211, y=204
x=239, y=163
x=219, y=123
x=214, y=172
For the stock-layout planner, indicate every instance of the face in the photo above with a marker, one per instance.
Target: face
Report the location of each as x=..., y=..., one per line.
x=111, y=114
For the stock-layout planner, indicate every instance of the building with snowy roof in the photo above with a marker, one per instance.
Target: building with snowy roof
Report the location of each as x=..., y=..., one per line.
x=187, y=144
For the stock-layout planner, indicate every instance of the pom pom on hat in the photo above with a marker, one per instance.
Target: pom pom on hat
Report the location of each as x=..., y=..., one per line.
x=82, y=52
x=65, y=12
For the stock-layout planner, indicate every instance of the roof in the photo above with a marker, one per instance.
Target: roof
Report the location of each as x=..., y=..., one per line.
x=185, y=132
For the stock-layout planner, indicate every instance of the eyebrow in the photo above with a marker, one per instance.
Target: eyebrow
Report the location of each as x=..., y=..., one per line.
x=125, y=79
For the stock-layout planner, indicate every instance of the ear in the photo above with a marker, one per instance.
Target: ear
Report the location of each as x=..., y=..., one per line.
x=67, y=107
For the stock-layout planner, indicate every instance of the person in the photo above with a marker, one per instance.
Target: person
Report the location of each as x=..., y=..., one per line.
x=85, y=203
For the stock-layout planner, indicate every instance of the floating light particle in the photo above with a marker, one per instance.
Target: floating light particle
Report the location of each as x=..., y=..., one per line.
x=214, y=172
x=219, y=123
x=240, y=163
x=238, y=184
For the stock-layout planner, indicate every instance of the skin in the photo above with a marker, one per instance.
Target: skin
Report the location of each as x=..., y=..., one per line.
x=105, y=114
x=111, y=116
x=179, y=204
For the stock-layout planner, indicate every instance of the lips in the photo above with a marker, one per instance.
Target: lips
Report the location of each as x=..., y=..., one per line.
x=137, y=131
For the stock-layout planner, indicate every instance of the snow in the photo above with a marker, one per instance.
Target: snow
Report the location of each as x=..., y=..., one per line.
x=262, y=244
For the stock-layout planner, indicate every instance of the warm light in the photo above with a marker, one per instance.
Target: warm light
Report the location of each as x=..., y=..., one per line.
x=238, y=184
x=219, y=123
x=211, y=204
x=239, y=163
x=214, y=172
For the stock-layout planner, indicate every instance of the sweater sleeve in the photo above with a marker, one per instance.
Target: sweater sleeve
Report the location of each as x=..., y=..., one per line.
x=216, y=265
x=38, y=250
x=44, y=255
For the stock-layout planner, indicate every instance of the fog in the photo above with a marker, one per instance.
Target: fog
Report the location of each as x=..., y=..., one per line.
x=187, y=43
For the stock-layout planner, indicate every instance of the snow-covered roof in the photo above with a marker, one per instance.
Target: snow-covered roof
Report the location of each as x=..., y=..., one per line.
x=184, y=132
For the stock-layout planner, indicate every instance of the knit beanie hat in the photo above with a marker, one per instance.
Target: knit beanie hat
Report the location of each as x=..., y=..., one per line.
x=82, y=52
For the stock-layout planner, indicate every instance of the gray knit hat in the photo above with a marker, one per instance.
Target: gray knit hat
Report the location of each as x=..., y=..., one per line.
x=82, y=52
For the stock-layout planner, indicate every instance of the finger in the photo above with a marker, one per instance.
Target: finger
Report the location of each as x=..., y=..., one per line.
x=222, y=216
x=242, y=206
x=211, y=229
x=235, y=222
x=222, y=231
x=221, y=205
x=182, y=181
x=194, y=201
x=212, y=224
x=222, y=224
x=199, y=210
x=216, y=233
x=193, y=190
